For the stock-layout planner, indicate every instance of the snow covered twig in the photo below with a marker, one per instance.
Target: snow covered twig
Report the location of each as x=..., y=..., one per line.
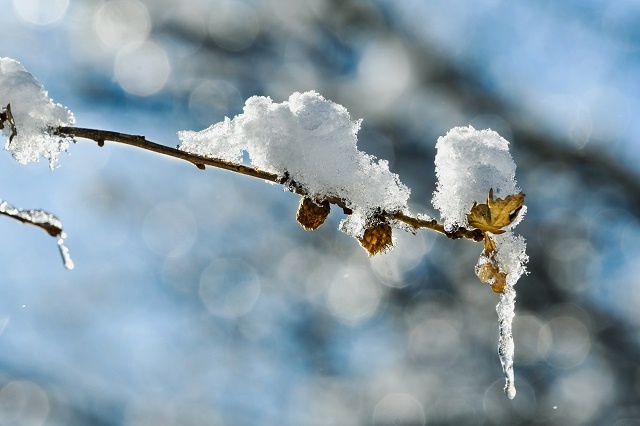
x=101, y=136
x=138, y=141
x=308, y=144
x=42, y=219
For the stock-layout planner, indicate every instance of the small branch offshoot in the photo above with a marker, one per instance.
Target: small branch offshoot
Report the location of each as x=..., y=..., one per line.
x=44, y=220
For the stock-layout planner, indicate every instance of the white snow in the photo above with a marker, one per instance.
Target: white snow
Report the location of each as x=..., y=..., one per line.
x=34, y=114
x=314, y=142
x=64, y=251
x=511, y=256
x=469, y=163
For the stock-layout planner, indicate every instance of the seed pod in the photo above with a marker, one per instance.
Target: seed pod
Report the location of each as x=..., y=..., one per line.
x=311, y=215
x=490, y=274
x=376, y=239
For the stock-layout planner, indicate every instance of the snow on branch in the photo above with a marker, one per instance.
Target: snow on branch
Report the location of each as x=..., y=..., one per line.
x=102, y=136
x=44, y=220
x=308, y=144
x=29, y=115
x=313, y=141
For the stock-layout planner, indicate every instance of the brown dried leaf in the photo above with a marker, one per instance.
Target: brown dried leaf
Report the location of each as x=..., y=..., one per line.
x=490, y=248
x=488, y=270
x=495, y=214
x=490, y=274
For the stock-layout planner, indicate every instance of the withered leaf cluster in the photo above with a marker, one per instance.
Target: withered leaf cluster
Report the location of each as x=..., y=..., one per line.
x=490, y=218
x=496, y=214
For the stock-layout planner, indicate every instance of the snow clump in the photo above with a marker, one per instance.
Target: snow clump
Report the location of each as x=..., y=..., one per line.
x=34, y=115
x=313, y=141
x=469, y=163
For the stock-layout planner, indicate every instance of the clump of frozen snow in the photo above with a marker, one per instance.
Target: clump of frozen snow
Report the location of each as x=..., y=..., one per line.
x=314, y=142
x=511, y=255
x=469, y=163
x=34, y=114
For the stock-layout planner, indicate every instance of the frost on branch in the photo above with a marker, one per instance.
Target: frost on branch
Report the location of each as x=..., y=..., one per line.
x=44, y=220
x=313, y=141
x=27, y=115
x=470, y=164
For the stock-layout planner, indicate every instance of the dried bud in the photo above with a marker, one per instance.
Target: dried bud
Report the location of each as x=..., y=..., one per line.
x=311, y=215
x=376, y=239
x=490, y=274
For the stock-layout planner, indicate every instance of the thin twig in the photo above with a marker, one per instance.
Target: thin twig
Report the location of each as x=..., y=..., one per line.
x=41, y=219
x=415, y=222
x=100, y=136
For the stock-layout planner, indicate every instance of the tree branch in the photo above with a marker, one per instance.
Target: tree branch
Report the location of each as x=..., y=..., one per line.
x=415, y=222
x=100, y=136
x=41, y=219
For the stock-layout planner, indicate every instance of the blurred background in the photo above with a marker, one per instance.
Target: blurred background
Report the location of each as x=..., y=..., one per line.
x=198, y=300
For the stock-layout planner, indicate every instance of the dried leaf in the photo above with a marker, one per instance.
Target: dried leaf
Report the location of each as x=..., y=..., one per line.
x=489, y=246
x=487, y=268
x=489, y=273
x=495, y=214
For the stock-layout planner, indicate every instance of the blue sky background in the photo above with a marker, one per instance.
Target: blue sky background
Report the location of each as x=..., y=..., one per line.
x=197, y=298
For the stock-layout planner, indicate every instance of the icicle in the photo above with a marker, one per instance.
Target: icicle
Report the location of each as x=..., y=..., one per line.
x=64, y=251
x=506, y=346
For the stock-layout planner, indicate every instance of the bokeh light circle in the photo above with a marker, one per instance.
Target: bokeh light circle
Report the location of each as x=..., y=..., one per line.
x=169, y=229
x=41, y=12
x=142, y=71
x=229, y=287
x=122, y=23
x=234, y=25
x=23, y=403
x=399, y=409
x=353, y=295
